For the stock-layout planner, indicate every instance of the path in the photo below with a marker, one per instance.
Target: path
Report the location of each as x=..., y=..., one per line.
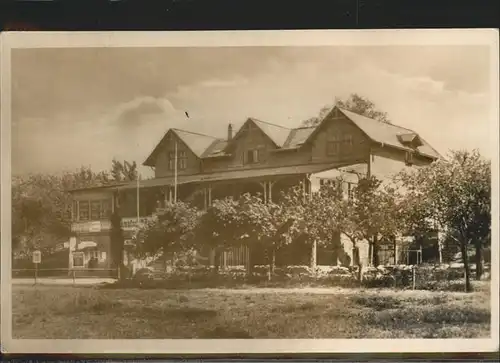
x=62, y=281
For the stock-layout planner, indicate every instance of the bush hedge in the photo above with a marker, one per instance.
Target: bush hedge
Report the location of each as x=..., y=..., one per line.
x=428, y=277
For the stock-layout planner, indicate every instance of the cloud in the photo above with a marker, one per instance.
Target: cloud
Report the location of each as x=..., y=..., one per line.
x=217, y=83
x=284, y=87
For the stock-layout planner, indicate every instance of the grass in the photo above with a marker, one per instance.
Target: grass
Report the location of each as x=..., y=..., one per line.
x=58, y=312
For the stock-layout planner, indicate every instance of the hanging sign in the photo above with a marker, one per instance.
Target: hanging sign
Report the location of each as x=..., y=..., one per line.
x=37, y=257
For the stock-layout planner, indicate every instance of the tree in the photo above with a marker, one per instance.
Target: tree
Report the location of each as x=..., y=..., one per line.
x=247, y=220
x=265, y=225
x=315, y=216
x=362, y=106
x=42, y=204
x=171, y=232
x=390, y=217
x=458, y=194
x=123, y=171
x=117, y=244
x=116, y=170
x=368, y=213
x=355, y=103
x=218, y=227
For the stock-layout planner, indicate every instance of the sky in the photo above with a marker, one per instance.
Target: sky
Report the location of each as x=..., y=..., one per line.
x=86, y=106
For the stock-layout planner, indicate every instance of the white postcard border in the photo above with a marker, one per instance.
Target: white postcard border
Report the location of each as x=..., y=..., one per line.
x=16, y=40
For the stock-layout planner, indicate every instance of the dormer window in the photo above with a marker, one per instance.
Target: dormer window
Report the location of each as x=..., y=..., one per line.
x=252, y=156
x=410, y=140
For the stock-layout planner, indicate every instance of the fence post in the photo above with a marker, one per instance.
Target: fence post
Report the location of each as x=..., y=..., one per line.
x=73, y=277
x=413, y=273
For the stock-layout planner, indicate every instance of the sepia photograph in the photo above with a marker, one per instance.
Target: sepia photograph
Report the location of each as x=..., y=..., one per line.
x=318, y=188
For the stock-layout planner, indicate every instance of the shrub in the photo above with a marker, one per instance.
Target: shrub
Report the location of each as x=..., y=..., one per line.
x=427, y=277
x=144, y=274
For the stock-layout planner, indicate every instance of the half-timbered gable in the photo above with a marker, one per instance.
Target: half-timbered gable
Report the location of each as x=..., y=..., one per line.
x=338, y=139
x=253, y=144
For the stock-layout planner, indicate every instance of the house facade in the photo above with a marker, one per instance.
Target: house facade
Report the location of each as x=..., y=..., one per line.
x=259, y=157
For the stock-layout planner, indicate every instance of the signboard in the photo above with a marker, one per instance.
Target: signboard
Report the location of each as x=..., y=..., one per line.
x=90, y=227
x=127, y=224
x=130, y=224
x=78, y=259
x=37, y=256
x=86, y=244
x=95, y=226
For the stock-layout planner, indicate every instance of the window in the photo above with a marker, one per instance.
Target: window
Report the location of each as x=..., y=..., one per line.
x=333, y=146
x=347, y=147
x=84, y=212
x=182, y=162
x=409, y=158
x=95, y=210
x=252, y=156
x=105, y=211
x=171, y=160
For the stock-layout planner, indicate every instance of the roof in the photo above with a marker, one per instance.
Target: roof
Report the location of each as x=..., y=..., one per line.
x=233, y=175
x=196, y=142
x=407, y=138
x=277, y=133
x=215, y=149
x=388, y=134
x=205, y=146
x=100, y=186
x=297, y=137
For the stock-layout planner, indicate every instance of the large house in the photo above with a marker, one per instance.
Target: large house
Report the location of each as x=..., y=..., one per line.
x=259, y=157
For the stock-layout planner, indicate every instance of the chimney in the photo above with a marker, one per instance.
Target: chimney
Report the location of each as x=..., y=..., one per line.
x=229, y=132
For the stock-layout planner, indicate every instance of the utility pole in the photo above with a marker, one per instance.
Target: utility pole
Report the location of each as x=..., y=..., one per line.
x=175, y=174
x=138, y=209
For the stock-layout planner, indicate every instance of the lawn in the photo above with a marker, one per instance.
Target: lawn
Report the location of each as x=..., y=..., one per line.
x=58, y=312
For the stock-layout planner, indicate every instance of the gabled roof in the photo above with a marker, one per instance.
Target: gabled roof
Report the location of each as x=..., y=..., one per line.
x=388, y=134
x=205, y=146
x=278, y=134
x=197, y=143
x=381, y=132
